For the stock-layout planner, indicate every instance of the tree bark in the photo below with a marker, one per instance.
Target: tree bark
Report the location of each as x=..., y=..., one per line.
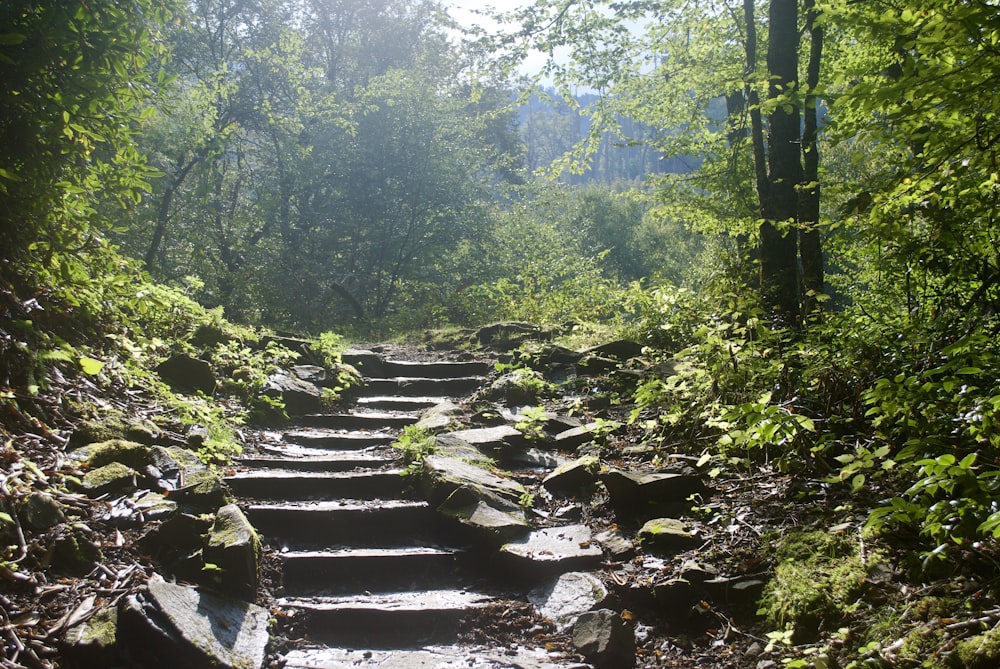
x=778, y=239
x=810, y=245
x=753, y=104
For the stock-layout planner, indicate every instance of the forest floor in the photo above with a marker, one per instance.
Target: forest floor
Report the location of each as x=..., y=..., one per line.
x=866, y=602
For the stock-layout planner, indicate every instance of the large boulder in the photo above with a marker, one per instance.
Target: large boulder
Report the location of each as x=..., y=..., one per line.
x=651, y=493
x=482, y=501
x=442, y=476
x=234, y=548
x=184, y=372
x=299, y=397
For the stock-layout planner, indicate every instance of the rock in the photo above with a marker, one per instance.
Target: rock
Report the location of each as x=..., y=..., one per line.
x=516, y=388
x=549, y=355
x=186, y=373
x=573, y=438
x=616, y=543
x=208, y=335
x=314, y=374
x=300, y=397
x=489, y=523
x=111, y=428
x=442, y=476
x=198, y=436
x=175, y=625
x=439, y=417
x=203, y=491
x=448, y=445
x=41, y=511
x=605, y=639
x=114, y=478
x=555, y=549
x=505, y=336
x=158, y=466
x=555, y=424
x=634, y=492
x=234, y=547
x=696, y=572
x=74, y=552
x=667, y=534
x=139, y=507
x=675, y=596
x=182, y=532
x=738, y=590
x=563, y=598
x=92, y=643
x=573, y=476
x=620, y=349
x=595, y=364
x=531, y=458
x=368, y=363
x=491, y=439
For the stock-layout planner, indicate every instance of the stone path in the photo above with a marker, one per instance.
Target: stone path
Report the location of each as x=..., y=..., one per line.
x=372, y=575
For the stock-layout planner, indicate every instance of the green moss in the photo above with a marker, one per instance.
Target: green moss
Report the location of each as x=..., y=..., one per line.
x=113, y=476
x=819, y=579
x=979, y=652
x=130, y=453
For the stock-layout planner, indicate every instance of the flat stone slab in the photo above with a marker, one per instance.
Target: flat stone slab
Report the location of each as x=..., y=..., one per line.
x=487, y=437
x=228, y=632
x=438, y=657
x=427, y=601
x=557, y=546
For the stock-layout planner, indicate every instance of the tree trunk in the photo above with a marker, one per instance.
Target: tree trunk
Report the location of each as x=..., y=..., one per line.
x=778, y=239
x=753, y=103
x=810, y=246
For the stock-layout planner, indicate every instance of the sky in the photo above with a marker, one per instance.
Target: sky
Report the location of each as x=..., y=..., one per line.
x=464, y=12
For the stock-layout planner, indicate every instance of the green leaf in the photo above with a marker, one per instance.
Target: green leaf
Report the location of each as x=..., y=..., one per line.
x=90, y=366
x=10, y=39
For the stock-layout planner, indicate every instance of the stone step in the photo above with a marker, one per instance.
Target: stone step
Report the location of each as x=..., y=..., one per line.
x=415, y=387
x=397, y=403
x=375, y=420
x=299, y=485
x=395, y=619
x=338, y=439
x=359, y=523
x=429, y=657
x=444, y=369
x=318, y=460
x=370, y=569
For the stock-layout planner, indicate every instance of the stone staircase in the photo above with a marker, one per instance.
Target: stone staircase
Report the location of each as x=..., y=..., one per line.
x=371, y=575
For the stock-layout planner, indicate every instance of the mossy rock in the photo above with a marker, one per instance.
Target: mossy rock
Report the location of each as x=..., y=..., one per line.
x=75, y=553
x=820, y=578
x=203, y=490
x=130, y=453
x=666, y=534
x=979, y=652
x=112, y=428
x=93, y=643
x=112, y=478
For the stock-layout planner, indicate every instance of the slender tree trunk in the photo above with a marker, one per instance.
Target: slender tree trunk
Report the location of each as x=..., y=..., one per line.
x=810, y=246
x=753, y=104
x=778, y=238
x=163, y=210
